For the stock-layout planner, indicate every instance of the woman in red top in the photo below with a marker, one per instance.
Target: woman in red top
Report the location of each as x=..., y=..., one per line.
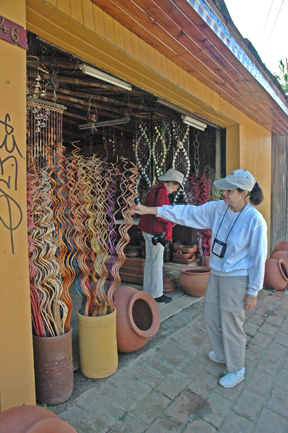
x=151, y=227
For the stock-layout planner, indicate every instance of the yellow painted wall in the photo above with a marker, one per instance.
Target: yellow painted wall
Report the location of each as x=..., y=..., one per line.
x=16, y=353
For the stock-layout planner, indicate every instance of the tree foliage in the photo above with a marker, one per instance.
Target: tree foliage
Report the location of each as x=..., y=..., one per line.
x=283, y=75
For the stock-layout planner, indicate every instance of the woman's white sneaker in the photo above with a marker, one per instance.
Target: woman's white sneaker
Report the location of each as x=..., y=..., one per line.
x=212, y=357
x=232, y=379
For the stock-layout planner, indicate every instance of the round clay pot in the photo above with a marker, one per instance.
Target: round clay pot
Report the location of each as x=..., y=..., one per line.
x=276, y=274
x=97, y=345
x=53, y=364
x=280, y=255
x=194, y=280
x=32, y=419
x=138, y=318
x=281, y=246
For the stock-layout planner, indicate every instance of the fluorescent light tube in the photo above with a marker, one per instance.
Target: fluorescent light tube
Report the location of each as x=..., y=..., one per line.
x=193, y=122
x=88, y=70
x=113, y=122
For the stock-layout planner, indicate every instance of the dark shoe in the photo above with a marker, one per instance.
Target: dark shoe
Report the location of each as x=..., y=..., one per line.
x=163, y=298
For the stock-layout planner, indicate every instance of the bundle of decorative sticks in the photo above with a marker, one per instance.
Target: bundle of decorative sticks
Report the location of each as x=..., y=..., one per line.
x=72, y=238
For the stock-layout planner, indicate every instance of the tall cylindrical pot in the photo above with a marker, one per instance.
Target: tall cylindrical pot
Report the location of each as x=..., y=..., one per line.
x=276, y=274
x=53, y=364
x=97, y=345
x=194, y=279
x=138, y=318
x=32, y=419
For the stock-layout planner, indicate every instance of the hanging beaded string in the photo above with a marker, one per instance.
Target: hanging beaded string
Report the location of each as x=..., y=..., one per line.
x=181, y=161
x=196, y=160
x=159, y=151
x=168, y=139
x=143, y=141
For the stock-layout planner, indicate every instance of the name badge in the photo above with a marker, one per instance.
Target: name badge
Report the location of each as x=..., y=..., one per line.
x=219, y=248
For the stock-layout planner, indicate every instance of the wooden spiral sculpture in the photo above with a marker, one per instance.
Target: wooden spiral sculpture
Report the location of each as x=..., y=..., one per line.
x=32, y=182
x=47, y=277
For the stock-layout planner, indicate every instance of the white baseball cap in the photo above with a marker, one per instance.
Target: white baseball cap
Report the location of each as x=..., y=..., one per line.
x=242, y=179
x=172, y=175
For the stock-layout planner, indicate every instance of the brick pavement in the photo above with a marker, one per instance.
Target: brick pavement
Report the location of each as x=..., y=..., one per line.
x=173, y=387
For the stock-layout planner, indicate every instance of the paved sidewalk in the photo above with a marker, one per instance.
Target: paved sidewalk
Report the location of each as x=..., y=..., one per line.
x=173, y=386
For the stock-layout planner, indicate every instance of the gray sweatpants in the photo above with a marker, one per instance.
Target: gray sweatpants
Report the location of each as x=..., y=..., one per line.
x=224, y=316
x=153, y=270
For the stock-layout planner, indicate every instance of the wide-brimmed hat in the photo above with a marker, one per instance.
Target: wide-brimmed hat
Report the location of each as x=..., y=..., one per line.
x=172, y=175
x=242, y=179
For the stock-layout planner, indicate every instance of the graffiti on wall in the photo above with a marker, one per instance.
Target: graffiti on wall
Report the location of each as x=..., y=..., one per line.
x=10, y=211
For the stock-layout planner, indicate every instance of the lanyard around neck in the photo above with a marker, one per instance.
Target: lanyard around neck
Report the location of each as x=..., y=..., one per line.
x=233, y=223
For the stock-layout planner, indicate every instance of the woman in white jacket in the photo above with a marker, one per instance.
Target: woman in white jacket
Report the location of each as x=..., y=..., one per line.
x=237, y=261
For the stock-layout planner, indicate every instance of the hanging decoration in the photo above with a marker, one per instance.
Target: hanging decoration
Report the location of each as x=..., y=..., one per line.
x=143, y=151
x=181, y=161
x=160, y=148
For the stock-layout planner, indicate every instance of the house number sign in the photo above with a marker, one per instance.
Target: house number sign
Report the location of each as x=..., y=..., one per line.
x=12, y=32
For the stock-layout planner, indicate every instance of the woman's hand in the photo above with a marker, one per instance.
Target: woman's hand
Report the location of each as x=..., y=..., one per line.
x=249, y=302
x=140, y=209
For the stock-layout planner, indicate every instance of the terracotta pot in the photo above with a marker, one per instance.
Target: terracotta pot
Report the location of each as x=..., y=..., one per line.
x=280, y=255
x=194, y=280
x=32, y=419
x=276, y=274
x=97, y=345
x=53, y=364
x=191, y=249
x=138, y=318
x=281, y=246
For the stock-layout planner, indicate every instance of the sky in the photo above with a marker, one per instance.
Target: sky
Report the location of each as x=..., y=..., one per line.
x=255, y=20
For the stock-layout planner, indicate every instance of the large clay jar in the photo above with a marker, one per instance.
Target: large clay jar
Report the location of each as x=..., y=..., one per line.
x=280, y=255
x=194, y=280
x=138, y=318
x=276, y=274
x=97, y=345
x=53, y=364
x=32, y=419
x=281, y=246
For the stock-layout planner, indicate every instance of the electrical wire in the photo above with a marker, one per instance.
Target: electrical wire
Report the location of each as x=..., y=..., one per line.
x=274, y=25
x=265, y=22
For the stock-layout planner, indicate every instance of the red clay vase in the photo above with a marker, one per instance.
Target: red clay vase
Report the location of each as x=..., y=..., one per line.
x=53, y=364
x=276, y=274
x=281, y=246
x=32, y=419
x=194, y=280
x=138, y=318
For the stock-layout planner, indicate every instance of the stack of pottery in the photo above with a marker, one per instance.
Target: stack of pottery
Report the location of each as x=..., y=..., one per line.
x=169, y=283
x=276, y=268
x=132, y=271
x=184, y=254
x=194, y=279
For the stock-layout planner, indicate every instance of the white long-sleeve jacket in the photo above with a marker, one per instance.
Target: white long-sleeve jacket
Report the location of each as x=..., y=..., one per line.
x=246, y=250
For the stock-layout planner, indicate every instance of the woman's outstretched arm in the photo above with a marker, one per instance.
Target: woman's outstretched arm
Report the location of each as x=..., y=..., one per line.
x=140, y=209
